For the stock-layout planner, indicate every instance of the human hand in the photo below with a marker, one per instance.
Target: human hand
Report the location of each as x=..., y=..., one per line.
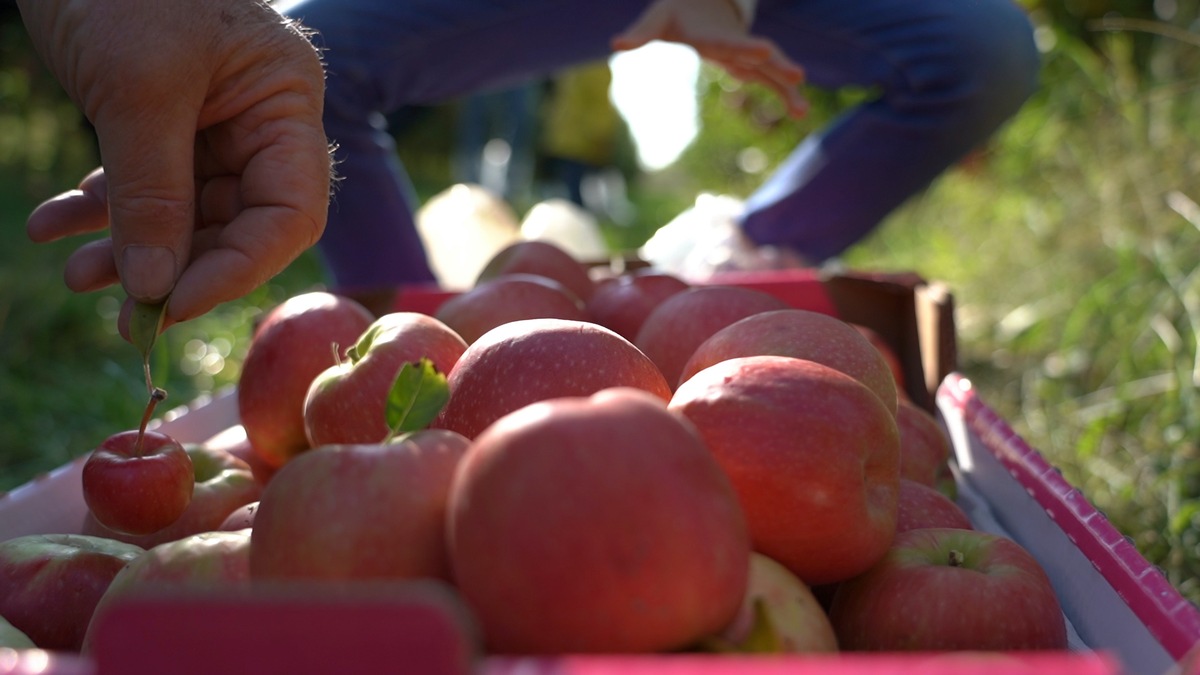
x=716, y=31
x=216, y=167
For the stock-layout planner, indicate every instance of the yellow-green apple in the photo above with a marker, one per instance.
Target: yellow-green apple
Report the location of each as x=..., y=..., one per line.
x=922, y=506
x=814, y=456
x=779, y=614
x=50, y=584
x=679, y=324
x=510, y=297
x=11, y=638
x=596, y=524
x=206, y=560
x=359, y=511
x=295, y=342
x=800, y=334
x=347, y=403
x=944, y=589
x=138, y=482
x=622, y=303
x=523, y=362
x=222, y=483
x=889, y=354
x=924, y=447
x=544, y=259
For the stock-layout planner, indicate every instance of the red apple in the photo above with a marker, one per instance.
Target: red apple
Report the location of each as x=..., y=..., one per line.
x=348, y=402
x=296, y=341
x=359, y=511
x=779, y=614
x=598, y=524
x=544, y=259
x=50, y=584
x=222, y=483
x=510, y=297
x=889, y=354
x=623, y=303
x=673, y=331
x=242, y=518
x=813, y=454
x=523, y=362
x=941, y=589
x=923, y=506
x=207, y=559
x=800, y=334
x=924, y=446
x=138, y=482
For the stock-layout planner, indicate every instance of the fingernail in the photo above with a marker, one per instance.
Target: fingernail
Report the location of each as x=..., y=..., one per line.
x=147, y=272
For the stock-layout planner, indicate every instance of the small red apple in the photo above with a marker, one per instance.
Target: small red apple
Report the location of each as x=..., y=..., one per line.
x=623, y=303
x=222, y=483
x=296, y=341
x=510, y=297
x=50, y=584
x=941, y=589
x=679, y=324
x=347, y=403
x=800, y=334
x=542, y=258
x=596, y=524
x=813, y=454
x=923, y=506
x=138, y=482
x=523, y=362
x=359, y=511
x=924, y=447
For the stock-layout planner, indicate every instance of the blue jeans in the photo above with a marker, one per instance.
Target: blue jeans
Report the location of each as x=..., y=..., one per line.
x=949, y=73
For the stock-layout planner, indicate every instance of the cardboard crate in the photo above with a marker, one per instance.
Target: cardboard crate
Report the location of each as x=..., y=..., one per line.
x=1123, y=616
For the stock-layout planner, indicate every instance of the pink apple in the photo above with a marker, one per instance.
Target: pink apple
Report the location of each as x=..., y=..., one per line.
x=800, y=334
x=779, y=614
x=348, y=402
x=235, y=441
x=924, y=447
x=359, y=511
x=523, y=362
x=889, y=354
x=597, y=524
x=923, y=506
x=50, y=584
x=544, y=259
x=138, y=482
x=222, y=483
x=204, y=560
x=242, y=518
x=941, y=589
x=673, y=331
x=813, y=454
x=510, y=297
x=623, y=302
x=296, y=341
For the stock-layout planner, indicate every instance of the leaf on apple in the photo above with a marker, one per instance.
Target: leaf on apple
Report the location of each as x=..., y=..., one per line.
x=145, y=323
x=418, y=394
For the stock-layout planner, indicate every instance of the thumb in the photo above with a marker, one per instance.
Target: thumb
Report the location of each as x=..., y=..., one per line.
x=651, y=26
x=147, y=154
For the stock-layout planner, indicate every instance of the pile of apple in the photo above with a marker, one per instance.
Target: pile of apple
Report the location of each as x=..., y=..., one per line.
x=615, y=465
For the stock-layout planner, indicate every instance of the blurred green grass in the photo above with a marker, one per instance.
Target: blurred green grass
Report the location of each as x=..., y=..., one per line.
x=1071, y=243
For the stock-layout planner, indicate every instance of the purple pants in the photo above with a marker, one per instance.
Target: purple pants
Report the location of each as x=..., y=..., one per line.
x=948, y=73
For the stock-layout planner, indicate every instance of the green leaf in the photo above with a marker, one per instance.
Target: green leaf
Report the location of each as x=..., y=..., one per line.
x=417, y=395
x=145, y=323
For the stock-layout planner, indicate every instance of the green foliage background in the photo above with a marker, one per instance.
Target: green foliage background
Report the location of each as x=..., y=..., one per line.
x=1071, y=243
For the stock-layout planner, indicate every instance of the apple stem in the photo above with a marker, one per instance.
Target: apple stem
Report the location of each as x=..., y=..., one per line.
x=957, y=559
x=157, y=394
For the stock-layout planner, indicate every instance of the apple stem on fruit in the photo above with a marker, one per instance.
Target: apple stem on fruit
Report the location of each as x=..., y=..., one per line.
x=156, y=395
x=956, y=558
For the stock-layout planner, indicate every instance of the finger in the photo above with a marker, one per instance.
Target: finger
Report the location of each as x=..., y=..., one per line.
x=147, y=147
x=91, y=267
x=793, y=101
x=283, y=194
x=78, y=211
x=220, y=200
x=654, y=25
